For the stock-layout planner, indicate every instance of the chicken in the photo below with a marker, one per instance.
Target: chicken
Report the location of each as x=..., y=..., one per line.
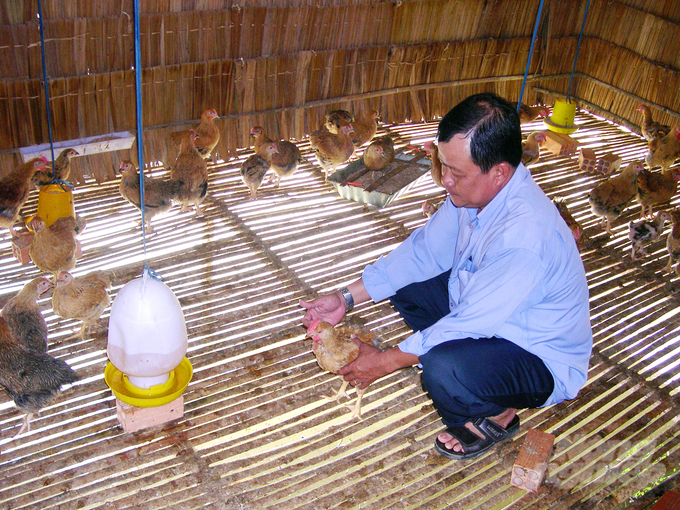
x=332, y=149
x=158, y=193
x=192, y=172
x=284, y=160
x=207, y=134
x=436, y=170
x=253, y=171
x=650, y=129
x=432, y=205
x=32, y=379
x=14, y=190
x=55, y=248
x=531, y=147
x=62, y=169
x=365, y=127
x=673, y=243
x=334, y=348
x=656, y=188
x=24, y=318
x=582, y=240
x=609, y=198
x=336, y=119
x=83, y=298
x=664, y=151
x=379, y=154
x=531, y=113
x=646, y=231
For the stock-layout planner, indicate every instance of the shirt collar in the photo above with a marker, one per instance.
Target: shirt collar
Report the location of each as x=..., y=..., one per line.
x=489, y=211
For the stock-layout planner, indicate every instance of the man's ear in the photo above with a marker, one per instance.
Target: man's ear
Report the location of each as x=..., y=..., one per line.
x=502, y=172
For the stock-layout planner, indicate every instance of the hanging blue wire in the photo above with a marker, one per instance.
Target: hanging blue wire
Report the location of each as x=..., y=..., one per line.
x=45, y=82
x=578, y=46
x=531, y=52
x=140, y=142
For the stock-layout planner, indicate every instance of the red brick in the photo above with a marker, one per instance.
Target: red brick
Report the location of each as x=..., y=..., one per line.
x=532, y=460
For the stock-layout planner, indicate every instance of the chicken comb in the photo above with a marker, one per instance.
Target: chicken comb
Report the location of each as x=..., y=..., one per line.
x=312, y=327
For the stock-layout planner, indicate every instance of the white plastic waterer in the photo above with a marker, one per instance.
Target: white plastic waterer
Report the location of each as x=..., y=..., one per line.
x=147, y=334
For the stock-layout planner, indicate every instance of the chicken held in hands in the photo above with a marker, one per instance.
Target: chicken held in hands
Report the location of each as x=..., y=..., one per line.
x=673, y=243
x=14, y=190
x=609, y=198
x=159, y=194
x=331, y=149
x=379, y=154
x=664, y=151
x=32, y=379
x=192, y=172
x=253, y=170
x=207, y=134
x=365, y=127
x=55, y=248
x=649, y=128
x=531, y=148
x=284, y=160
x=646, y=231
x=436, y=170
x=335, y=347
x=62, y=169
x=655, y=188
x=24, y=318
x=83, y=298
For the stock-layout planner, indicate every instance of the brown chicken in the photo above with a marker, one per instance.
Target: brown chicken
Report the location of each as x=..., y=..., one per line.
x=379, y=154
x=55, y=248
x=582, y=240
x=332, y=149
x=531, y=148
x=655, y=188
x=664, y=151
x=646, y=231
x=673, y=243
x=254, y=168
x=24, y=318
x=83, y=298
x=207, y=134
x=334, y=348
x=14, y=190
x=432, y=205
x=365, y=127
x=158, y=193
x=531, y=113
x=62, y=169
x=284, y=160
x=192, y=172
x=609, y=198
x=31, y=379
x=436, y=170
x=650, y=129
x=335, y=119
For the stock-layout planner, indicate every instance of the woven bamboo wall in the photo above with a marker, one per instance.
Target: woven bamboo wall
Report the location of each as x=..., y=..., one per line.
x=283, y=64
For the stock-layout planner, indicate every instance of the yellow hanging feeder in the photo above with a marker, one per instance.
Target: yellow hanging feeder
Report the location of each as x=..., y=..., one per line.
x=562, y=118
x=54, y=202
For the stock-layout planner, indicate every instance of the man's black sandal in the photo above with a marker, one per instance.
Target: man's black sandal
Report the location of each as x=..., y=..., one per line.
x=472, y=444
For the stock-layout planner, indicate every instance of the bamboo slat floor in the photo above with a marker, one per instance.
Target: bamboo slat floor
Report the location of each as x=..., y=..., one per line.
x=257, y=433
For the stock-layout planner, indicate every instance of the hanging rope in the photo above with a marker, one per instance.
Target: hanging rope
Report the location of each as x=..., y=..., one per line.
x=140, y=141
x=47, y=99
x=531, y=52
x=578, y=46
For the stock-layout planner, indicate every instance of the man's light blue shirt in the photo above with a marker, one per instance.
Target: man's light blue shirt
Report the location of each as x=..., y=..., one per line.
x=515, y=274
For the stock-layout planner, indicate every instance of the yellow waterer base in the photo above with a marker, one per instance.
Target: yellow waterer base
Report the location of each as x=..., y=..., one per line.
x=155, y=396
x=562, y=118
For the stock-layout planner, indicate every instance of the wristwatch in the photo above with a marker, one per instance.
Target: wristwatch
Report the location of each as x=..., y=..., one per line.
x=349, y=300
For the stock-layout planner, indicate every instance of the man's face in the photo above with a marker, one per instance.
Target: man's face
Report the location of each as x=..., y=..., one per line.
x=464, y=181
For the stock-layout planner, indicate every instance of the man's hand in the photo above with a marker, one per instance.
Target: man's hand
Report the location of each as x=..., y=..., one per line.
x=329, y=308
x=372, y=364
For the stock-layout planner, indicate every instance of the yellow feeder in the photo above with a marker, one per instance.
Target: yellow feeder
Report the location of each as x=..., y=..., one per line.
x=54, y=202
x=562, y=118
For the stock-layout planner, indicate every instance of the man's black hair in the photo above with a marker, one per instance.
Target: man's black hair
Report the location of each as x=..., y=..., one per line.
x=491, y=123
